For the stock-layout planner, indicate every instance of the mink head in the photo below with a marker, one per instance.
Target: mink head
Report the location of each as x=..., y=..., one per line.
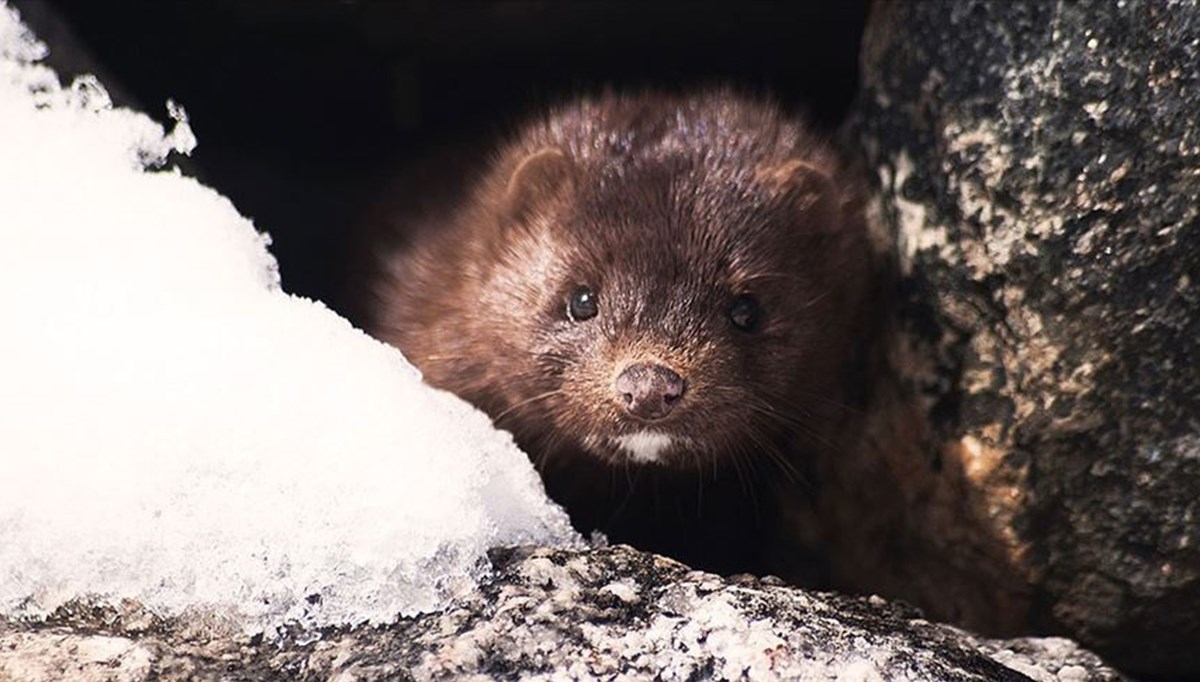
x=653, y=280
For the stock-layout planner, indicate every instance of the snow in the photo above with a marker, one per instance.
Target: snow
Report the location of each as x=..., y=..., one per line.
x=176, y=429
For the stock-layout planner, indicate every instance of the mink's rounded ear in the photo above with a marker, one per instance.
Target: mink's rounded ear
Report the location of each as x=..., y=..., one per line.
x=538, y=181
x=805, y=188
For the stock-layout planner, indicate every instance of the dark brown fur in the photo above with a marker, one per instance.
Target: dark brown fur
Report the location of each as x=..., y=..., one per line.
x=668, y=207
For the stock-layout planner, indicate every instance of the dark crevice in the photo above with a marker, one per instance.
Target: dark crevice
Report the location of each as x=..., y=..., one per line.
x=301, y=107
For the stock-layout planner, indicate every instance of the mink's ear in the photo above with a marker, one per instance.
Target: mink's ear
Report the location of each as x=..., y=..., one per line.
x=539, y=180
x=806, y=189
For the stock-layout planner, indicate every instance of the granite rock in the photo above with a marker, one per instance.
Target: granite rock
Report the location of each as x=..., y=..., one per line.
x=611, y=613
x=1038, y=167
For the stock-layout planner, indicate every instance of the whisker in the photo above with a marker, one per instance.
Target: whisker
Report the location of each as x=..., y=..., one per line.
x=630, y=482
x=818, y=298
x=540, y=396
x=786, y=467
x=750, y=490
x=774, y=399
x=772, y=275
x=803, y=427
x=558, y=358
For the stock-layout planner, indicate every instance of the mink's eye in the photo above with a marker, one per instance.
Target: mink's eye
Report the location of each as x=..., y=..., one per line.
x=582, y=304
x=744, y=313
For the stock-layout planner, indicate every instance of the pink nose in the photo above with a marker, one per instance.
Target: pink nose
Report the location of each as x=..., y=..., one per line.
x=649, y=391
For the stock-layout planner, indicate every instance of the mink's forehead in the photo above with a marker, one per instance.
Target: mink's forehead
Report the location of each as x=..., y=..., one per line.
x=667, y=249
x=674, y=208
x=711, y=129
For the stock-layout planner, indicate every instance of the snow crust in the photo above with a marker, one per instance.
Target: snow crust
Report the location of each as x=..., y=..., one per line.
x=176, y=429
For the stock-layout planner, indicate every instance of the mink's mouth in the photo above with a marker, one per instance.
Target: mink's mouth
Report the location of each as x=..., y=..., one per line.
x=643, y=446
x=647, y=446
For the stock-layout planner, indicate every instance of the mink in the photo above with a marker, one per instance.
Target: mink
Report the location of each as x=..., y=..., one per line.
x=660, y=296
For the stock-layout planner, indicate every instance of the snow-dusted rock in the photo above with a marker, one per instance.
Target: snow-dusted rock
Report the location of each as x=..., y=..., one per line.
x=551, y=614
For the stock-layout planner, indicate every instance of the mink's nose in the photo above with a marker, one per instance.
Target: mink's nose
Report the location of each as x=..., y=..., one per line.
x=649, y=391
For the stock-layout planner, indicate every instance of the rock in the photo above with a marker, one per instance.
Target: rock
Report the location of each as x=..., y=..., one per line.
x=611, y=613
x=1039, y=467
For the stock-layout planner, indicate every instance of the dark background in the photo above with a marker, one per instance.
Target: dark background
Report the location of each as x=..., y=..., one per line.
x=303, y=107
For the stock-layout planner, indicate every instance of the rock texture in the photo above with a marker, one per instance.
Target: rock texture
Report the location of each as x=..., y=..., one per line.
x=1039, y=168
x=555, y=614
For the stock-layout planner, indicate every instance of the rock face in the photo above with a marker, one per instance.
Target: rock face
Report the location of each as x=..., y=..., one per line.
x=556, y=614
x=1039, y=168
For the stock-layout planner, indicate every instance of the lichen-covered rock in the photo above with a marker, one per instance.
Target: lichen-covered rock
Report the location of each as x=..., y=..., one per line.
x=1039, y=167
x=556, y=614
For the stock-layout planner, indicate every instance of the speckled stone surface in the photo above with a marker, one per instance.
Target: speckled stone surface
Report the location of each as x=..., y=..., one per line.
x=611, y=613
x=1039, y=167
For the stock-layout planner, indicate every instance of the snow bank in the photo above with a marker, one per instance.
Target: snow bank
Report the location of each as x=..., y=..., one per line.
x=175, y=428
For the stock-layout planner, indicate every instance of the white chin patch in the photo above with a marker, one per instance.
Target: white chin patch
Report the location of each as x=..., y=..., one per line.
x=643, y=446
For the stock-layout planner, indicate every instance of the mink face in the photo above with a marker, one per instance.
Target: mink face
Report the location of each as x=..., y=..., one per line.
x=641, y=280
